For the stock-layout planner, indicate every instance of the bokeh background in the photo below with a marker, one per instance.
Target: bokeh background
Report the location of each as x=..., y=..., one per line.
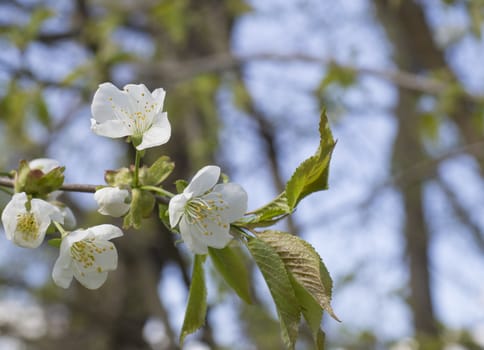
x=401, y=229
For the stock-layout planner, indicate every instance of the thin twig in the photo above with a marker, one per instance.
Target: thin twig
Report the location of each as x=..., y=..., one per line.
x=6, y=182
x=172, y=72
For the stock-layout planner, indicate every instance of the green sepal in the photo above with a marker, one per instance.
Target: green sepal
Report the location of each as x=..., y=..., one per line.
x=122, y=177
x=197, y=300
x=55, y=242
x=181, y=185
x=164, y=216
x=280, y=286
x=312, y=174
x=157, y=172
x=37, y=183
x=225, y=178
x=136, y=140
x=142, y=204
x=304, y=263
x=267, y=215
x=229, y=262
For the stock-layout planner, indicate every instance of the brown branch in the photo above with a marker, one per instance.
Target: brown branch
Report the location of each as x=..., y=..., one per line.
x=172, y=72
x=6, y=182
x=84, y=188
x=462, y=214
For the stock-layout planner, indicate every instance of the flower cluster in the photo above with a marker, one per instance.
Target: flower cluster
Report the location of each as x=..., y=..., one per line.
x=202, y=212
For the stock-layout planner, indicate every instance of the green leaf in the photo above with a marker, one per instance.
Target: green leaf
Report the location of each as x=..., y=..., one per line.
x=277, y=279
x=229, y=262
x=341, y=75
x=304, y=263
x=172, y=15
x=181, y=185
x=269, y=214
x=197, y=300
x=312, y=312
x=429, y=125
x=142, y=204
x=157, y=172
x=312, y=174
x=41, y=109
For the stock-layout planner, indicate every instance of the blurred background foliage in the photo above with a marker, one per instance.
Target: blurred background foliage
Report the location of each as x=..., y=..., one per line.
x=401, y=228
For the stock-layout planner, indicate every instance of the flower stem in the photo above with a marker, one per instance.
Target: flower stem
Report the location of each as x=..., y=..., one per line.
x=158, y=190
x=61, y=229
x=137, y=160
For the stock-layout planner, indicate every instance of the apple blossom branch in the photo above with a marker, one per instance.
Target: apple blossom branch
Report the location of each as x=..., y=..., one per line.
x=6, y=182
x=83, y=188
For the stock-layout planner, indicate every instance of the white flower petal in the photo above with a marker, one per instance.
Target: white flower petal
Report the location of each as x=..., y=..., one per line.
x=75, y=236
x=44, y=164
x=138, y=91
x=69, y=218
x=235, y=199
x=46, y=210
x=110, y=103
x=131, y=112
x=105, y=232
x=108, y=259
x=203, y=180
x=52, y=197
x=91, y=280
x=202, y=234
x=27, y=228
x=88, y=256
x=214, y=233
x=159, y=97
x=111, y=128
x=191, y=238
x=176, y=208
x=62, y=275
x=111, y=201
x=158, y=134
x=64, y=260
x=9, y=215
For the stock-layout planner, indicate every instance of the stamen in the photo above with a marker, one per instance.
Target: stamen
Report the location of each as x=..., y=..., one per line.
x=84, y=253
x=28, y=226
x=200, y=211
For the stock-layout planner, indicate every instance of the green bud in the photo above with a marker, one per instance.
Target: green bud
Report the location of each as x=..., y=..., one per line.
x=157, y=172
x=142, y=204
x=37, y=183
x=119, y=178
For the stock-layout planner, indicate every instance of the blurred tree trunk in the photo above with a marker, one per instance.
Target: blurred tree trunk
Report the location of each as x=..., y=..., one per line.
x=408, y=31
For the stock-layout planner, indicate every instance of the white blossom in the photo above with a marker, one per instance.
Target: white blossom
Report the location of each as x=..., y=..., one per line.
x=133, y=111
x=205, y=210
x=112, y=201
x=87, y=255
x=27, y=227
